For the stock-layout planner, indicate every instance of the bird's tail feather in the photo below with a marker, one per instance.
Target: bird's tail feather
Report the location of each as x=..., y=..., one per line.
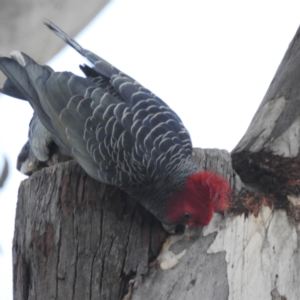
x=24, y=78
x=103, y=67
x=17, y=79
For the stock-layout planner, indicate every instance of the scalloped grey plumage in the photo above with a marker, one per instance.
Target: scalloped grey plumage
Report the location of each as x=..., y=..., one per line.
x=117, y=130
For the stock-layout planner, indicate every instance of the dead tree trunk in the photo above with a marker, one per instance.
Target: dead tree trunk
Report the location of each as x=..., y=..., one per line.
x=73, y=239
x=78, y=239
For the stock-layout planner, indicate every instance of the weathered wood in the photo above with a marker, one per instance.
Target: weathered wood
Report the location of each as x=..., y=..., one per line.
x=262, y=244
x=275, y=127
x=76, y=238
x=73, y=241
x=198, y=276
x=262, y=254
x=267, y=157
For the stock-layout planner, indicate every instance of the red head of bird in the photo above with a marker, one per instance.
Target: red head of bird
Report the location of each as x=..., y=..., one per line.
x=203, y=193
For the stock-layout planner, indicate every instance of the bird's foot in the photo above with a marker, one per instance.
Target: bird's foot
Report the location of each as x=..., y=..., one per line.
x=167, y=259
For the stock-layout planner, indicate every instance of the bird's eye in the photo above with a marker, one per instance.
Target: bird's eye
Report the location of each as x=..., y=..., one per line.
x=187, y=216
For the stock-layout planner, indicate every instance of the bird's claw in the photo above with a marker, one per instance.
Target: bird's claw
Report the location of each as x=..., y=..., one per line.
x=167, y=259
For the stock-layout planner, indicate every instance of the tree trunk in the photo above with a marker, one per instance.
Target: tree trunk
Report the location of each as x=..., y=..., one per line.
x=76, y=238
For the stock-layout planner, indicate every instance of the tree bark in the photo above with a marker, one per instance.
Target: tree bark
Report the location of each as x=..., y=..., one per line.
x=76, y=238
x=267, y=157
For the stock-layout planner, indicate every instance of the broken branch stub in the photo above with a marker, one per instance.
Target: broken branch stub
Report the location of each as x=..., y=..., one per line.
x=267, y=157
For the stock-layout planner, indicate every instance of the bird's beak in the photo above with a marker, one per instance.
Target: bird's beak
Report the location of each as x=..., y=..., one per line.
x=192, y=233
x=174, y=228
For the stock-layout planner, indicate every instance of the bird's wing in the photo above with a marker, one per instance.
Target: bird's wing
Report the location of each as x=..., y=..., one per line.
x=120, y=84
x=101, y=66
x=122, y=135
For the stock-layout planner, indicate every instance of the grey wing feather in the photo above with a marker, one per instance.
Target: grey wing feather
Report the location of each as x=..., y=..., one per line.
x=106, y=68
x=19, y=78
x=39, y=138
x=118, y=131
x=40, y=150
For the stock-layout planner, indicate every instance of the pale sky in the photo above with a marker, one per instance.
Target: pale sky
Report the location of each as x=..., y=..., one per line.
x=211, y=61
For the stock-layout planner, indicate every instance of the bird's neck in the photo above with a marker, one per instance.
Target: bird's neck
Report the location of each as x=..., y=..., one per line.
x=158, y=195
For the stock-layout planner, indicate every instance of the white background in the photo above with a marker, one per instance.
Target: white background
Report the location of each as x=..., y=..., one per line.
x=211, y=61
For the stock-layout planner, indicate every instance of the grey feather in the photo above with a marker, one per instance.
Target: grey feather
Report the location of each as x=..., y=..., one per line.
x=40, y=150
x=116, y=129
x=39, y=139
